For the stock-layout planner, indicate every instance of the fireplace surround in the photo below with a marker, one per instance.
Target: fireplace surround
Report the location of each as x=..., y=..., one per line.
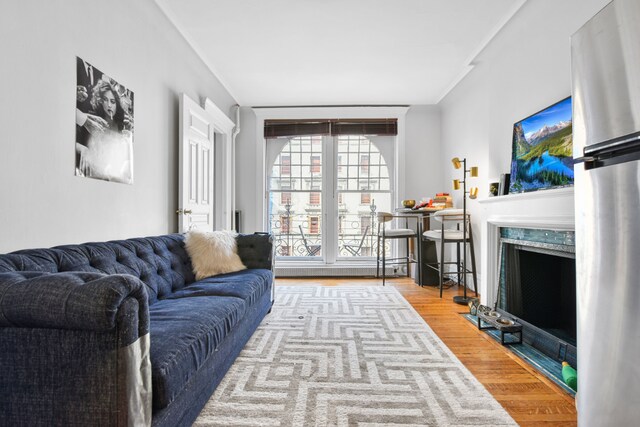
x=548, y=211
x=538, y=210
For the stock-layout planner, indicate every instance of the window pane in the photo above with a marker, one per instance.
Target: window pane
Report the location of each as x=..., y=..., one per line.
x=295, y=201
x=353, y=171
x=314, y=199
x=352, y=184
x=285, y=165
x=385, y=184
x=362, y=165
x=315, y=164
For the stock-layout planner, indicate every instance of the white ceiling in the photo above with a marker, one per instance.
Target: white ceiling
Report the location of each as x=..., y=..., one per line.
x=339, y=52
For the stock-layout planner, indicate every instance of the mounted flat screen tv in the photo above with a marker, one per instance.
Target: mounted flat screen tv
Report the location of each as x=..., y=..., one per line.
x=542, y=155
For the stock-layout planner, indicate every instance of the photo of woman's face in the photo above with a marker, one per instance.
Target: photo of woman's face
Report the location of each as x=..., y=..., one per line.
x=109, y=104
x=104, y=126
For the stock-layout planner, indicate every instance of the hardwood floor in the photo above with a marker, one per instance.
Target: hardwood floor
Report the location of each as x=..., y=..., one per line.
x=529, y=397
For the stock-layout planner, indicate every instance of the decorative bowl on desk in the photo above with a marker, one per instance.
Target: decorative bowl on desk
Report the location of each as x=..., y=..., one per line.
x=409, y=203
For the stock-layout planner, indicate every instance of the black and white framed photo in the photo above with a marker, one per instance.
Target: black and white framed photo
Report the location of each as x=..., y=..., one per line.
x=104, y=126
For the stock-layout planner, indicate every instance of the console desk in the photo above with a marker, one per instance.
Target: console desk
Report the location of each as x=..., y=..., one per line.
x=429, y=253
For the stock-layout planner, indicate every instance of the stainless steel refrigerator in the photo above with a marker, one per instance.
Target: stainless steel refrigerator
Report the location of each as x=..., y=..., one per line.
x=605, y=57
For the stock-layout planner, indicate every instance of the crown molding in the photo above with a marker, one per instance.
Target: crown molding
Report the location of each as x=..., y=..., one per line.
x=469, y=62
x=194, y=46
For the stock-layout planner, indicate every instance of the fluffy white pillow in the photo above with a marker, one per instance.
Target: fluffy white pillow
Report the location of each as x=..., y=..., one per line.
x=213, y=252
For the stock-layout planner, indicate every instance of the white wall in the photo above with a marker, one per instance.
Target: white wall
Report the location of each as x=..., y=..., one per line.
x=422, y=169
x=523, y=70
x=43, y=203
x=246, y=191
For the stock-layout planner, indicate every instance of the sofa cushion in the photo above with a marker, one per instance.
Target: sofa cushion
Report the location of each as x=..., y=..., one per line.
x=184, y=333
x=249, y=285
x=213, y=252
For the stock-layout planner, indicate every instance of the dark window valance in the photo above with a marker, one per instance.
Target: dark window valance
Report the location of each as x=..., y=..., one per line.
x=287, y=128
x=292, y=128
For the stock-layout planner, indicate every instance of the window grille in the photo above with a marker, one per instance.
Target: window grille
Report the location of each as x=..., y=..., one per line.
x=362, y=180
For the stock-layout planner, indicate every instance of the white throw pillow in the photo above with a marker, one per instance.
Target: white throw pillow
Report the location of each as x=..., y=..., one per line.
x=213, y=252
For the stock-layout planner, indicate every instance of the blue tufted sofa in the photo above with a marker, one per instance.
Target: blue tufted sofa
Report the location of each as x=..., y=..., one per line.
x=119, y=333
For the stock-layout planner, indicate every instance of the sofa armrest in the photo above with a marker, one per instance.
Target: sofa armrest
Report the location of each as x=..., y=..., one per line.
x=73, y=300
x=256, y=250
x=75, y=349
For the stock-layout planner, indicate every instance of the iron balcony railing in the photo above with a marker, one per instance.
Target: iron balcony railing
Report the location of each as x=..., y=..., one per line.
x=300, y=235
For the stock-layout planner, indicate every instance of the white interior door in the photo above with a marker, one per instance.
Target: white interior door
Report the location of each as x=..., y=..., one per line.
x=196, y=174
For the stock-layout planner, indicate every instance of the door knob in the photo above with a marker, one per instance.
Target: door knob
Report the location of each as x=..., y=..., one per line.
x=184, y=211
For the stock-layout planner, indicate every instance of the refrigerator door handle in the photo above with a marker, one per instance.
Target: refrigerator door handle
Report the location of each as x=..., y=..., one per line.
x=584, y=159
x=622, y=142
x=619, y=150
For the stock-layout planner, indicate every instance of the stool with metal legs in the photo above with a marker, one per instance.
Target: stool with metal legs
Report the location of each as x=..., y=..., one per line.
x=448, y=217
x=407, y=234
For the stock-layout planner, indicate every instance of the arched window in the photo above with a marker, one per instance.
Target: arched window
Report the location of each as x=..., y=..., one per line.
x=324, y=193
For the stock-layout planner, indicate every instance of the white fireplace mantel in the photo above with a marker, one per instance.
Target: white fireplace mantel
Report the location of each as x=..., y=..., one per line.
x=540, y=195
x=546, y=210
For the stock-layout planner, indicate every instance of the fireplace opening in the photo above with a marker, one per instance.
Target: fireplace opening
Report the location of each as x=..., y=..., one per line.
x=544, y=294
x=538, y=288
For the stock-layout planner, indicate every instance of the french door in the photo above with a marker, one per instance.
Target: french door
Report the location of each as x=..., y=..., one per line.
x=324, y=193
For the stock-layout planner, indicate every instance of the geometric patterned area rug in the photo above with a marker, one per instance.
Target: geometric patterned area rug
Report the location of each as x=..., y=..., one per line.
x=347, y=356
